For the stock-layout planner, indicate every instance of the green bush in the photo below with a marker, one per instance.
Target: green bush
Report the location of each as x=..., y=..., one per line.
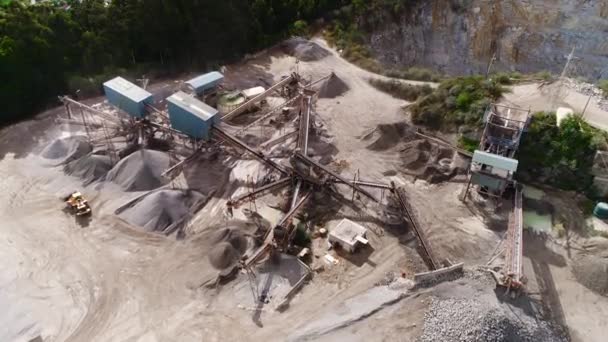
x=564, y=155
x=463, y=101
x=456, y=102
x=468, y=144
x=414, y=73
x=401, y=90
x=603, y=84
x=300, y=28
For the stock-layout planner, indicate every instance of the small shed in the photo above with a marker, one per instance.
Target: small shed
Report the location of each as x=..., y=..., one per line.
x=495, y=164
x=127, y=96
x=191, y=116
x=492, y=171
x=205, y=83
x=348, y=235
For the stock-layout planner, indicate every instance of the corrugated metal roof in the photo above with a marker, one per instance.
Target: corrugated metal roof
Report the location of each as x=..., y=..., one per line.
x=128, y=89
x=206, y=79
x=192, y=105
x=496, y=161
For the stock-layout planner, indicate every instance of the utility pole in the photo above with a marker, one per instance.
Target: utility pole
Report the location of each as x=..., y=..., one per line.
x=561, y=80
x=490, y=64
x=586, y=105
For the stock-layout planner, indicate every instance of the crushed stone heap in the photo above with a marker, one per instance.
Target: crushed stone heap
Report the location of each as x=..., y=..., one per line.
x=464, y=320
x=140, y=171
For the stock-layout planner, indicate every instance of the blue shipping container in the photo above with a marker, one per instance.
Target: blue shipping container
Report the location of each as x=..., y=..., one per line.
x=127, y=96
x=191, y=116
x=205, y=82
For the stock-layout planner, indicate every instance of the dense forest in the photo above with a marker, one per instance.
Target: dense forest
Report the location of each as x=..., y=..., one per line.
x=55, y=46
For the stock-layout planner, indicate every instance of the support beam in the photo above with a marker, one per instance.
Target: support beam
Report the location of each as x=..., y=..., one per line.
x=304, y=125
x=268, y=114
x=258, y=98
x=259, y=155
x=258, y=192
x=269, y=242
x=99, y=113
x=279, y=140
x=336, y=176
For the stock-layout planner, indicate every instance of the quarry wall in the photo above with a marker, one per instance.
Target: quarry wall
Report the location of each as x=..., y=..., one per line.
x=461, y=36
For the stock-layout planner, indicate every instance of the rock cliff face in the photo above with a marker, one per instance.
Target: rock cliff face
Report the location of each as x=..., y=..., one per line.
x=461, y=36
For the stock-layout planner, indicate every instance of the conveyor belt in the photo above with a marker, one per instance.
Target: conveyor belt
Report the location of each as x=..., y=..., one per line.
x=258, y=192
x=259, y=155
x=514, y=248
x=335, y=175
x=420, y=235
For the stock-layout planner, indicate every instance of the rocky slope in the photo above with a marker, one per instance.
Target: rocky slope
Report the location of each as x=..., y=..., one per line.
x=460, y=36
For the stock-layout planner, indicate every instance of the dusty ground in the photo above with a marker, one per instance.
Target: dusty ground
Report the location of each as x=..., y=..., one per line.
x=106, y=280
x=547, y=98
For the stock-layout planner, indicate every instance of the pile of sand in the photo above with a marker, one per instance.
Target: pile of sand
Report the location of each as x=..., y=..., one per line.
x=419, y=157
x=333, y=88
x=64, y=150
x=162, y=211
x=592, y=272
x=229, y=245
x=208, y=172
x=387, y=136
x=304, y=49
x=140, y=171
x=90, y=168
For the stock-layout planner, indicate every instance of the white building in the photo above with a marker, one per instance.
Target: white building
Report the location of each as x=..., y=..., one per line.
x=348, y=235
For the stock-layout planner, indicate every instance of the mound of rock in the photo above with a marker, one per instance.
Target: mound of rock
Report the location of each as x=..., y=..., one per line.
x=592, y=272
x=223, y=256
x=387, y=136
x=304, y=49
x=140, y=171
x=90, y=168
x=162, y=211
x=230, y=244
x=421, y=158
x=333, y=87
x=464, y=320
x=64, y=150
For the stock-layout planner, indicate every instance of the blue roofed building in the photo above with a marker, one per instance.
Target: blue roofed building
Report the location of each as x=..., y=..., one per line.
x=127, y=96
x=205, y=83
x=191, y=116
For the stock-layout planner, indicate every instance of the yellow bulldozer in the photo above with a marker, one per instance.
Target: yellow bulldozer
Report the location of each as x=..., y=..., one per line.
x=78, y=204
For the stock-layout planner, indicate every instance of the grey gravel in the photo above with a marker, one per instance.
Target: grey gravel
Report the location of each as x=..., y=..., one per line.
x=466, y=320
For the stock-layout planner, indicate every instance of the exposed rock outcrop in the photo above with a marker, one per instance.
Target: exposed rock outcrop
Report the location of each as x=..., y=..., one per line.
x=460, y=36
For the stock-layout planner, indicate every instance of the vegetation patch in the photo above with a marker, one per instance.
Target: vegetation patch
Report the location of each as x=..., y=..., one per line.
x=52, y=47
x=603, y=84
x=468, y=144
x=561, y=156
x=457, y=102
x=401, y=90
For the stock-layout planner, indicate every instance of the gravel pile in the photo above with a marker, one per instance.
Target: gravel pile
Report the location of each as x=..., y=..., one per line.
x=163, y=211
x=588, y=89
x=65, y=150
x=140, y=171
x=333, y=87
x=230, y=244
x=592, y=272
x=472, y=320
x=304, y=49
x=90, y=168
x=420, y=158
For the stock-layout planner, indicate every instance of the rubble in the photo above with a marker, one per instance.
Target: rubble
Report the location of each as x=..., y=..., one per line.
x=471, y=320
